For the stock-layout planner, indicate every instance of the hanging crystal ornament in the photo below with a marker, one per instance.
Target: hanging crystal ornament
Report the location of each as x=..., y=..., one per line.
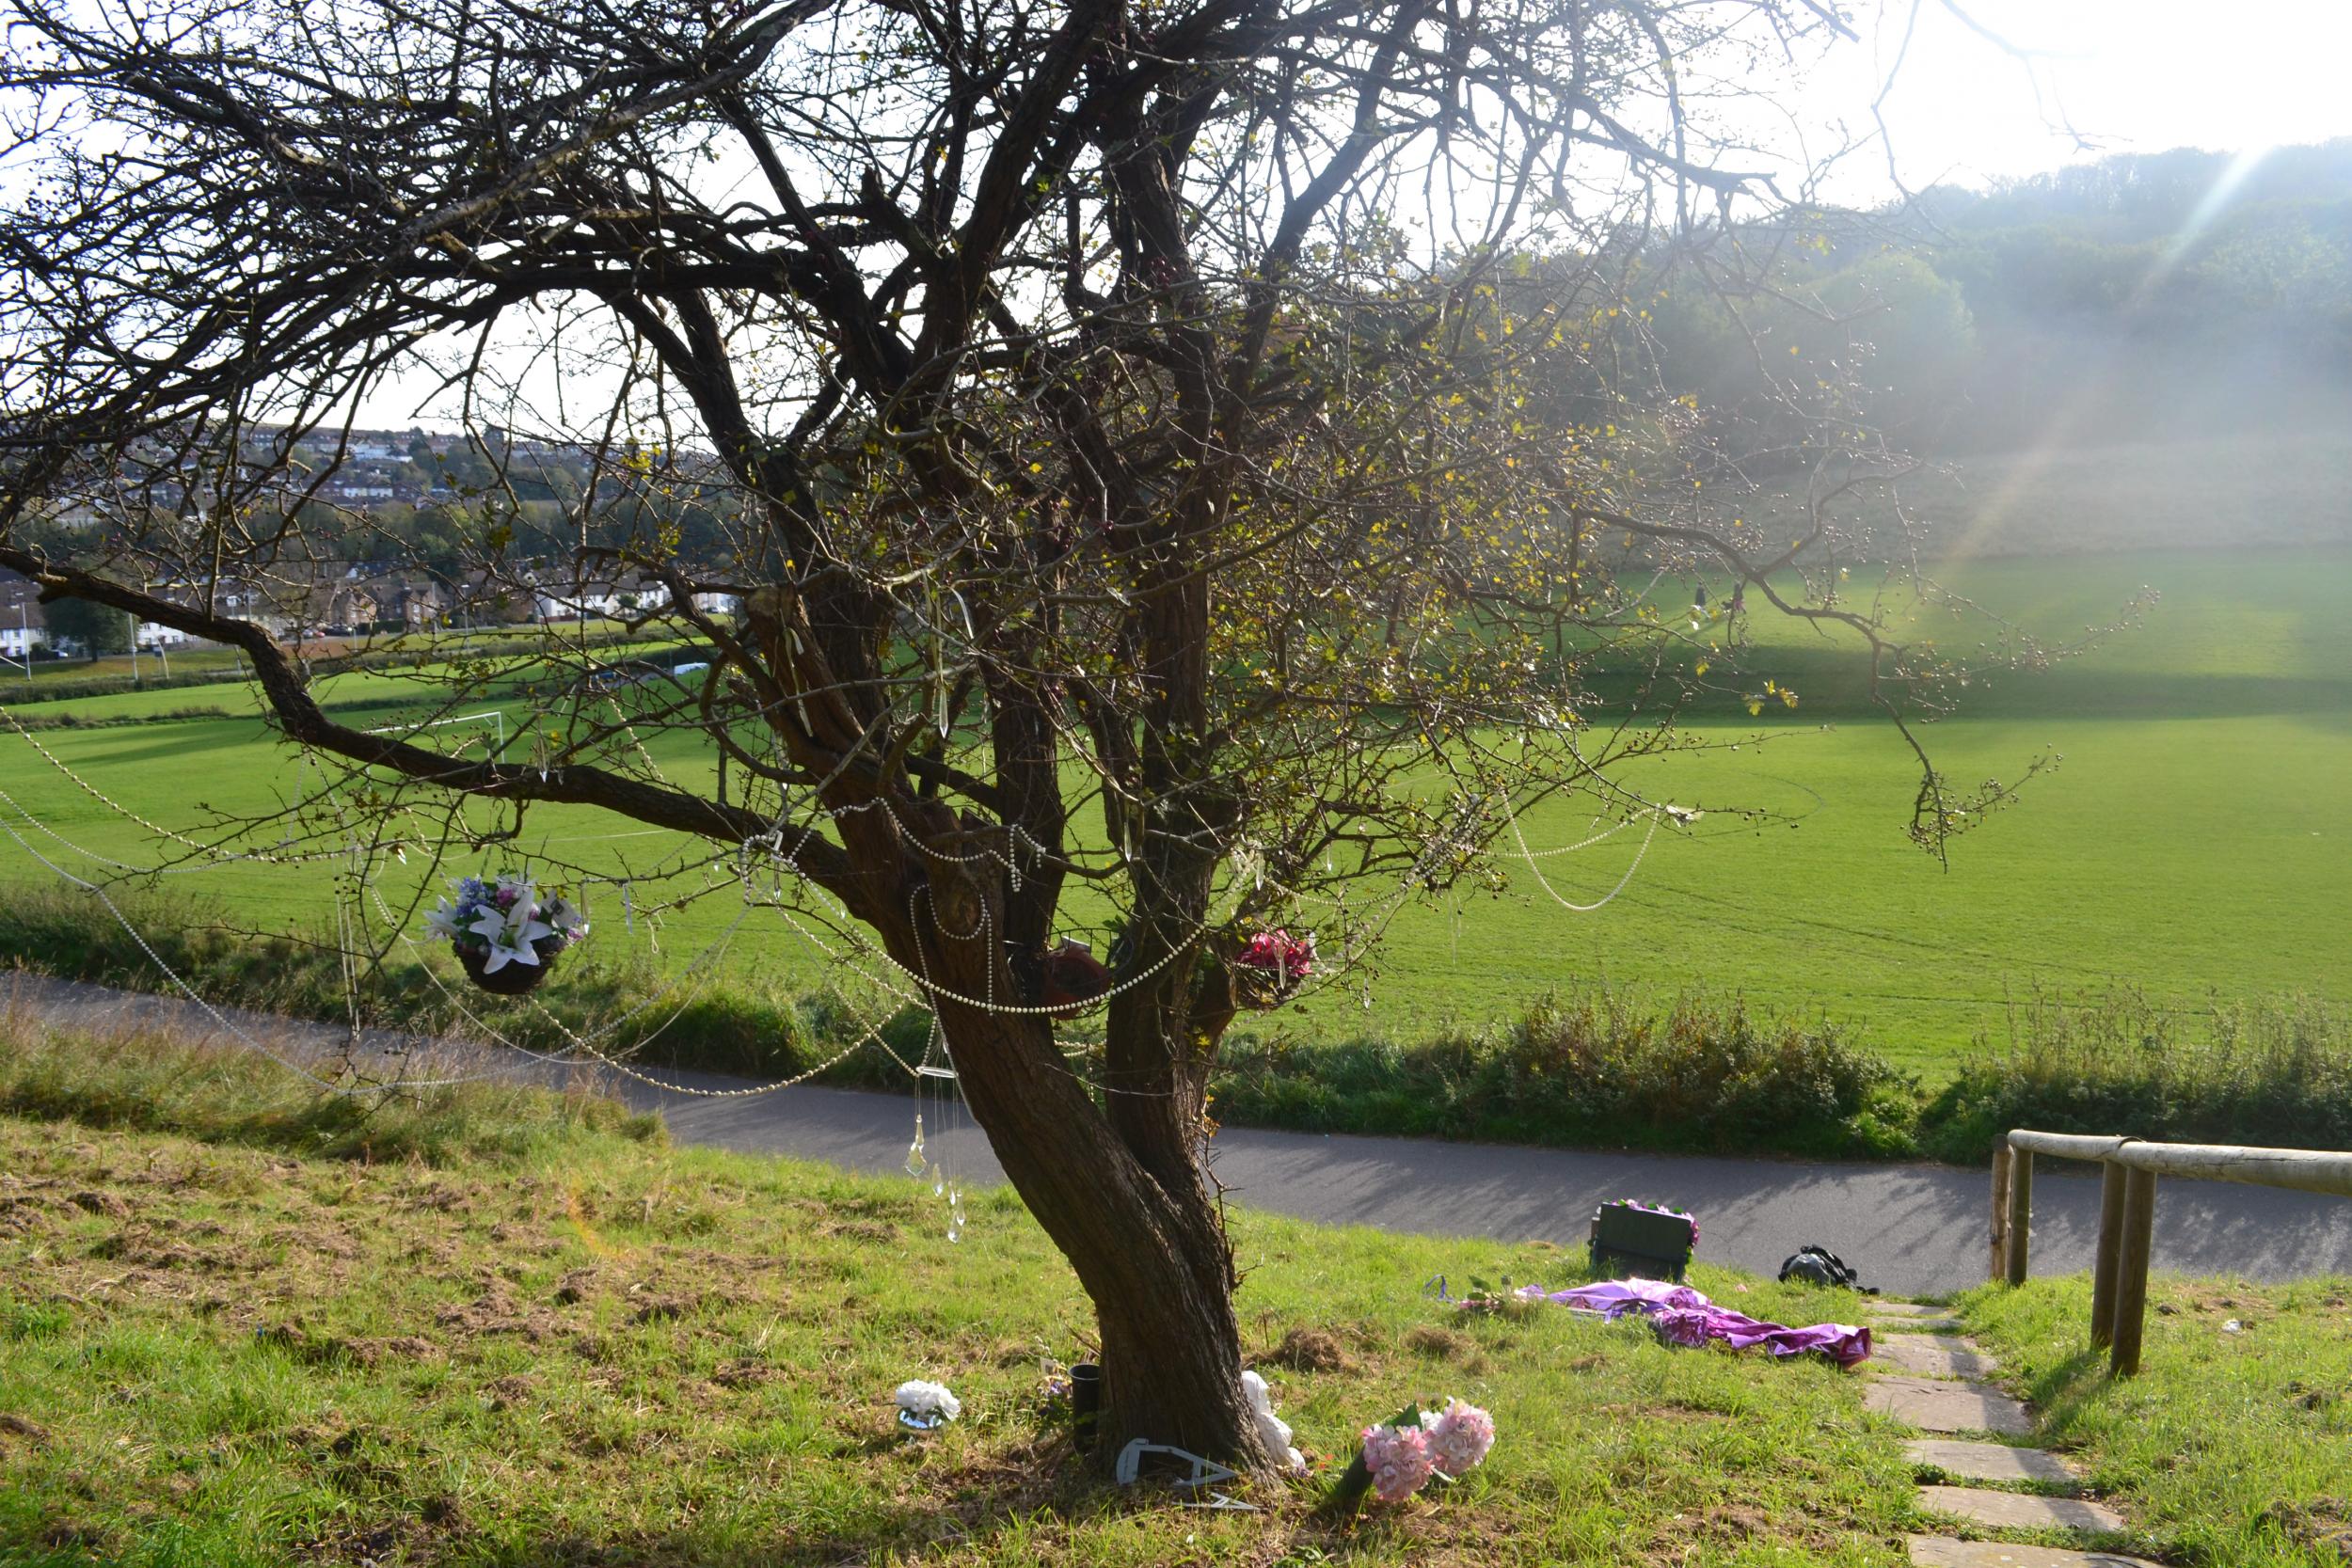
x=939, y=667
x=914, y=1149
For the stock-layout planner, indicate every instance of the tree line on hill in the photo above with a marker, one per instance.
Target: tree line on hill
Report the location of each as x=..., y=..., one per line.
x=2142, y=295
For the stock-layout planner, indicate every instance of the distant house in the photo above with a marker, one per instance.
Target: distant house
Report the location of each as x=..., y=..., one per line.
x=410, y=600
x=338, y=607
x=616, y=597
x=23, y=625
x=626, y=596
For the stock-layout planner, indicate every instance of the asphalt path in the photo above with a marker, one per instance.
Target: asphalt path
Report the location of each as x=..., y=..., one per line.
x=1911, y=1230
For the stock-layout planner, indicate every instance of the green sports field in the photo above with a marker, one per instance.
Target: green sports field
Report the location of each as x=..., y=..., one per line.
x=2195, y=839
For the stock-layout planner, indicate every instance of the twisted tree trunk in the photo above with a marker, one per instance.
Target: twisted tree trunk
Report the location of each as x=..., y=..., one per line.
x=1151, y=1253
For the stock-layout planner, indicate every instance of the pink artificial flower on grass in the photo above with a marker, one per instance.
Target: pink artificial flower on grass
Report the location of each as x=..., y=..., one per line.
x=1459, y=1436
x=1399, y=1460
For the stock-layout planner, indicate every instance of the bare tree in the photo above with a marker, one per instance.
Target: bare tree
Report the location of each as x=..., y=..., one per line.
x=1189, y=449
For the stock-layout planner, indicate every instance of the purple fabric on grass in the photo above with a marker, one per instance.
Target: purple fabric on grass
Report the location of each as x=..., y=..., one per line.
x=1684, y=1317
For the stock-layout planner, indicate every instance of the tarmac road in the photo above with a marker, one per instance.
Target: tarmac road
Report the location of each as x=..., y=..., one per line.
x=1911, y=1230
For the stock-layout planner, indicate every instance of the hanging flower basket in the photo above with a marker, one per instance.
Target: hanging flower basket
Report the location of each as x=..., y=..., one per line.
x=512, y=979
x=1267, y=970
x=506, y=934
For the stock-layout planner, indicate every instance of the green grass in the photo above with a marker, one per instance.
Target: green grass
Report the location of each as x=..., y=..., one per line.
x=2192, y=844
x=589, y=1349
x=2230, y=1450
x=525, y=1332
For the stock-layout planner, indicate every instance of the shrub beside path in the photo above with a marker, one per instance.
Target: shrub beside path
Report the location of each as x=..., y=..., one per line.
x=1928, y=1374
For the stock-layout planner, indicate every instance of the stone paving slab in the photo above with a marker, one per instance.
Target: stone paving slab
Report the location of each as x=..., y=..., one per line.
x=1989, y=1460
x=1904, y=1309
x=1928, y=1551
x=1930, y=1356
x=2019, y=1510
x=1932, y=1404
x=1930, y=1325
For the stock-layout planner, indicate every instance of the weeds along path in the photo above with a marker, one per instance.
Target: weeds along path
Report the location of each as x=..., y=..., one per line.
x=1913, y=1229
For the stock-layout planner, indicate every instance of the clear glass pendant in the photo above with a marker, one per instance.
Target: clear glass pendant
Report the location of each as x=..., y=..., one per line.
x=914, y=1151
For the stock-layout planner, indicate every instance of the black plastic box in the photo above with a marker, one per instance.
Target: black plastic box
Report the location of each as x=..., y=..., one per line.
x=1641, y=1242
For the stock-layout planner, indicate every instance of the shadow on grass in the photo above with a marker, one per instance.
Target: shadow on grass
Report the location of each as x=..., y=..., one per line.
x=2062, y=1391
x=1037, y=1502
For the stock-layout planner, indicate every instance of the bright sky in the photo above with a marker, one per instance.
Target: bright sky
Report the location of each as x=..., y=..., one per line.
x=2132, y=75
x=2129, y=75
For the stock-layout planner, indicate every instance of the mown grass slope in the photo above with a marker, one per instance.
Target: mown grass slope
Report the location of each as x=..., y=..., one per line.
x=605, y=1350
x=2191, y=843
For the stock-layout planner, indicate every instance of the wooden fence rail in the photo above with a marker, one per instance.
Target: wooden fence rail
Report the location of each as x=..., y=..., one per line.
x=2127, y=1212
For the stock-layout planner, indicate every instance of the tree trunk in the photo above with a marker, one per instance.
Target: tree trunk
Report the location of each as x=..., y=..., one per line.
x=1149, y=1253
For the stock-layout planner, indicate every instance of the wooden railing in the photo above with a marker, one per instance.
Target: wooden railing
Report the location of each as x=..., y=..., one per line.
x=2127, y=1212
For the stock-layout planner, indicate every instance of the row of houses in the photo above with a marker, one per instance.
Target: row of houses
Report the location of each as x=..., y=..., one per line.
x=356, y=470
x=339, y=601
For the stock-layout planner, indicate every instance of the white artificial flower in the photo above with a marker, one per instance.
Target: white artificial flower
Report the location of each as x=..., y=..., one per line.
x=516, y=926
x=500, y=956
x=929, y=1400
x=511, y=933
x=442, y=922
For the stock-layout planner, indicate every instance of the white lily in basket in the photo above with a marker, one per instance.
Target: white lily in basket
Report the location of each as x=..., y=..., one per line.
x=563, y=916
x=512, y=933
x=442, y=922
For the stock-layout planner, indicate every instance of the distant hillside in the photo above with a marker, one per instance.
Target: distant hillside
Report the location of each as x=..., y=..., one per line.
x=2160, y=296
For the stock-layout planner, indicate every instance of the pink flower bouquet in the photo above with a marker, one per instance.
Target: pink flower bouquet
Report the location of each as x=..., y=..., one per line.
x=1459, y=1436
x=1271, y=966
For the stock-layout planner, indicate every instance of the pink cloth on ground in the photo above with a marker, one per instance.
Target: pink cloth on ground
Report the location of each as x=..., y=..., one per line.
x=1684, y=1317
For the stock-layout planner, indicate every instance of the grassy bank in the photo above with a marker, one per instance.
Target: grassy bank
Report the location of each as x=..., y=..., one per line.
x=149, y=1083
x=601, y=1350
x=744, y=1027
x=542, y=1335
x=2232, y=1447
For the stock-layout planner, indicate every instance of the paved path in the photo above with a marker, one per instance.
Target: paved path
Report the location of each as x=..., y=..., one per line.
x=1991, y=1490
x=1910, y=1229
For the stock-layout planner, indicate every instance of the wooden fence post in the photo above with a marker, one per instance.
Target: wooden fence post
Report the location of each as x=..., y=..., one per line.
x=1999, y=1266
x=2131, y=1281
x=2113, y=1182
x=2019, y=1212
